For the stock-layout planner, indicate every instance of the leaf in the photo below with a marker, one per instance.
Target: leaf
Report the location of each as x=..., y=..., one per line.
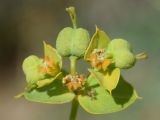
x=48, y=81
x=30, y=67
x=123, y=96
x=99, y=40
x=109, y=79
x=52, y=53
x=54, y=93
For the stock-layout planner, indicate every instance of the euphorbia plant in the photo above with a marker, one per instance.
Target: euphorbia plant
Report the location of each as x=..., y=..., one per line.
x=103, y=90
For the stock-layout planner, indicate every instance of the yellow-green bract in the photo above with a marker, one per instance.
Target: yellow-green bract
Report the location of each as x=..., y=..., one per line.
x=122, y=97
x=109, y=79
x=99, y=40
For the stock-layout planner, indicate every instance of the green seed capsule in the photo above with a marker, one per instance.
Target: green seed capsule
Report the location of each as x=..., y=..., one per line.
x=124, y=59
x=118, y=44
x=72, y=41
x=63, y=43
x=30, y=68
x=120, y=51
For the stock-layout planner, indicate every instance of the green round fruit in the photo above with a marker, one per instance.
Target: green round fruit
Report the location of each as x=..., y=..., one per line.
x=118, y=44
x=124, y=59
x=31, y=69
x=72, y=42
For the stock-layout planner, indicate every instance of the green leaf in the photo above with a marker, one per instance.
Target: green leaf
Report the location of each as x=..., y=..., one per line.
x=109, y=79
x=31, y=69
x=100, y=40
x=52, y=53
x=123, y=96
x=54, y=93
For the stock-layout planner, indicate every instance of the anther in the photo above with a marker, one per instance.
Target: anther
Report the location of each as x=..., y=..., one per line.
x=73, y=82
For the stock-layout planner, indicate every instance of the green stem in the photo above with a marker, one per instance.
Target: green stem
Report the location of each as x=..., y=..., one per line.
x=72, y=13
x=74, y=109
x=73, y=60
x=75, y=104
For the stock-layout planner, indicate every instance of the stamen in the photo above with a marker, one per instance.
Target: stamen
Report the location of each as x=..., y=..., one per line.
x=98, y=60
x=73, y=82
x=98, y=51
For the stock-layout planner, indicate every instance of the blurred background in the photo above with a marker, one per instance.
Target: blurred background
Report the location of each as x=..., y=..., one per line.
x=24, y=24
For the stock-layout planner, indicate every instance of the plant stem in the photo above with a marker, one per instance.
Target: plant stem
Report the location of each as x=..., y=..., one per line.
x=73, y=60
x=75, y=104
x=74, y=109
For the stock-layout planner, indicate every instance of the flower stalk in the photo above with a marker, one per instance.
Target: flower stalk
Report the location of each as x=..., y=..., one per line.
x=75, y=104
x=74, y=109
x=73, y=60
